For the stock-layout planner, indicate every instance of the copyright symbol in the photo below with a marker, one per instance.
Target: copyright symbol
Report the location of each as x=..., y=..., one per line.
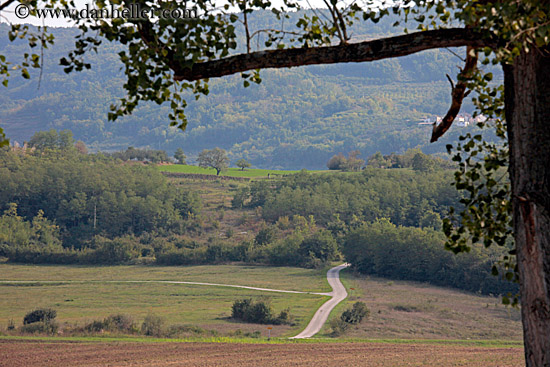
x=21, y=11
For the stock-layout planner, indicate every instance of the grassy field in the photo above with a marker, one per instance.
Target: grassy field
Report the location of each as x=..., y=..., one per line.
x=83, y=294
x=402, y=310
x=417, y=310
x=287, y=278
x=231, y=172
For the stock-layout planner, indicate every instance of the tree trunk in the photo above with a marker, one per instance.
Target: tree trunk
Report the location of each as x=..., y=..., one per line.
x=527, y=100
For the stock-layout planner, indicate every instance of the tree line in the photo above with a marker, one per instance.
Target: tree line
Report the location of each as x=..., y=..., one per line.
x=62, y=206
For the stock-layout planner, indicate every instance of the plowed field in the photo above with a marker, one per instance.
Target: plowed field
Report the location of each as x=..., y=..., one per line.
x=35, y=353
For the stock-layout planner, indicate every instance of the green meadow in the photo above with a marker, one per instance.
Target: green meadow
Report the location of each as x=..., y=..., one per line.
x=231, y=172
x=81, y=294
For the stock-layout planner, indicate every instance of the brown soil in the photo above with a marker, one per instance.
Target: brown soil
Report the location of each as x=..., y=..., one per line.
x=34, y=353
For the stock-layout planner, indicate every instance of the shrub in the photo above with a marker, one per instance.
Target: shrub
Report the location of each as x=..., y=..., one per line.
x=95, y=326
x=283, y=222
x=284, y=318
x=47, y=327
x=338, y=326
x=265, y=236
x=119, y=322
x=356, y=314
x=351, y=316
x=177, y=330
x=259, y=312
x=152, y=325
x=40, y=315
x=255, y=335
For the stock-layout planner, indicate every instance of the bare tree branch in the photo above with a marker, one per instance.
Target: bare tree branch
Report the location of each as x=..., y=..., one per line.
x=7, y=3
x=458, y=94
x=356, y=52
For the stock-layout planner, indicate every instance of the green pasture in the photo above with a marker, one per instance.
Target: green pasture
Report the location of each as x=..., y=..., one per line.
x=237, y=340
x=286, y=278
x=231, y=172
x=81, y=294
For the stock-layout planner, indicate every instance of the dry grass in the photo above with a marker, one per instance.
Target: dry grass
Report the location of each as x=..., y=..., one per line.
x=217, y=213
x=416, y=310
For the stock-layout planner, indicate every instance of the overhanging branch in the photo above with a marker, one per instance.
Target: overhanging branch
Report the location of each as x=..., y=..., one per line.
x=458, y=93
x=356, y=52
x=7, y=3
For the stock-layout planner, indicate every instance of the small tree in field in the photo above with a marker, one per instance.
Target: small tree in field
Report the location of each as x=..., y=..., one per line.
x=180, y=156
x=242, y=164
x=215, y=158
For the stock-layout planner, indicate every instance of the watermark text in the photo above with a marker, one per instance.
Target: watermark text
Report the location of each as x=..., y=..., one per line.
x=133, y=11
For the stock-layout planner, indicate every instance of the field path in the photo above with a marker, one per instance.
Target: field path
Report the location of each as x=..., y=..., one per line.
x=220, y=285
x=338, y=295
x=163, y=282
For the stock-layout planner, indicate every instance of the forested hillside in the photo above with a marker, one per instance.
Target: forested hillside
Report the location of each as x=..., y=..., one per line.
x=60, y=205
x=295, y=118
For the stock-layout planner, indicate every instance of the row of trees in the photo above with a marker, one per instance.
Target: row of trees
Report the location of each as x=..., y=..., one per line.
x=142, y=155
x=381, y=248
x=406, y=197
x=412, y=158
x=209, y=158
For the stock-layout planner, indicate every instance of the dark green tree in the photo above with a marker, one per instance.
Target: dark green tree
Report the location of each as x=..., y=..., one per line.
x=180, y=156
x=321, y=247
x=52, y=139
x=265, y=235
x=422, y=163
x=337, y=162
x=353, y=162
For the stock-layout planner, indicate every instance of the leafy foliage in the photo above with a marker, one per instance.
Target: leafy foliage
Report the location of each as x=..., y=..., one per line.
x=383, y=249
x=258, y=312
x=40, y=315
x=215, y=158
x=94, y=202
x=404, y=196
x=356, y=313
x=351, y=163
x=147, y=155
x=351, y=316
x=180, y=156
x=242, y=164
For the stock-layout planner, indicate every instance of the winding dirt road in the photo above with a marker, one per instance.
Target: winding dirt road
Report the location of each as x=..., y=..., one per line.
x=338, y=294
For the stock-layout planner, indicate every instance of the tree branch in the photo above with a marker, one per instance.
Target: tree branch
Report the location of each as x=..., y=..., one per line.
x=458, y=94
x=356, y=52
x=6, y=4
